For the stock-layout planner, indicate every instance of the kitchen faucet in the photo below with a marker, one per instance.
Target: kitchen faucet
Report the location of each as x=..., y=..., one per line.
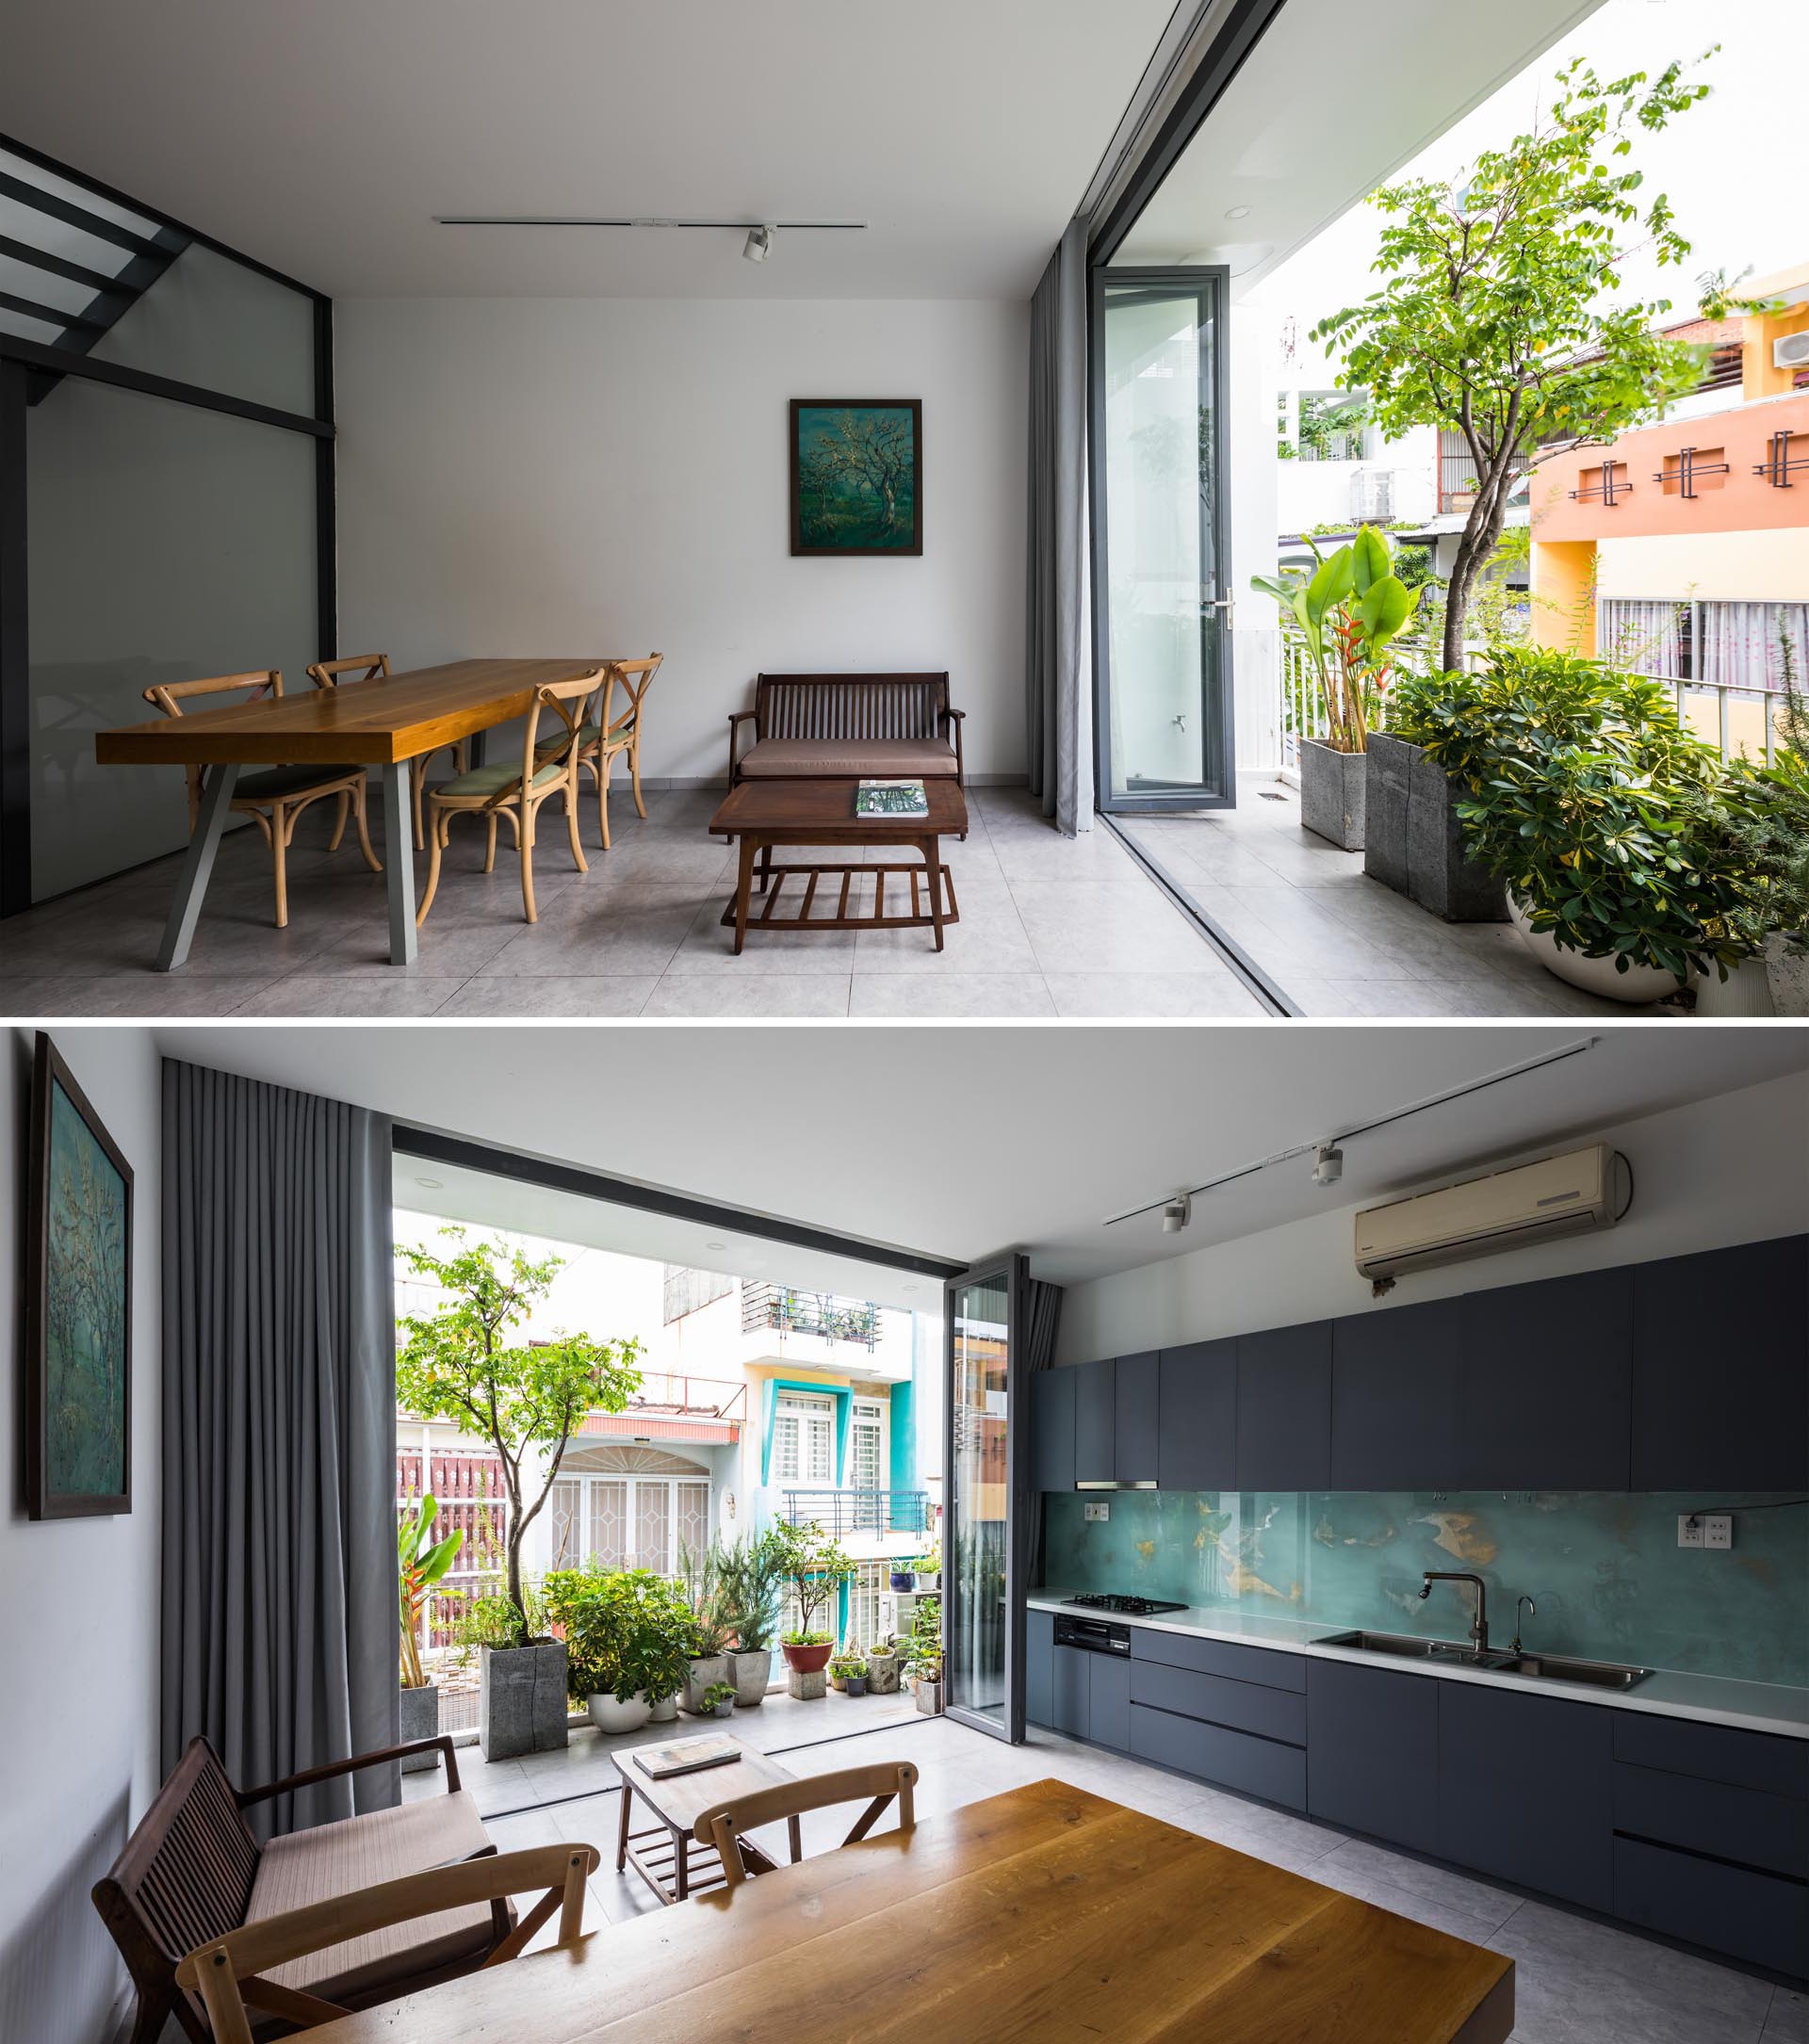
x=1532, y=1611
x=1479, y=1626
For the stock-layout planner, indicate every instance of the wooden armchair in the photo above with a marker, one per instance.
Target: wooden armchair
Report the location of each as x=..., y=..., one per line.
x=375, y=667
x=225, y=1974
x=724, y=1825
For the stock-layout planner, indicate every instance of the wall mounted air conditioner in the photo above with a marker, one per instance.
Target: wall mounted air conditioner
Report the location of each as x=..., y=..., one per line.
x=1790, y=352
x=1503, y=1209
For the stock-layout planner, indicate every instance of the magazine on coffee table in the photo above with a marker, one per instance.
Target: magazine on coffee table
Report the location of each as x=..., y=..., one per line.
x=716, y=1750
x=901, y=799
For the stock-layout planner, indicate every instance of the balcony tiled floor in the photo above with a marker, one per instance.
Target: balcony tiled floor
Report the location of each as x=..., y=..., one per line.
x=1577, y=1981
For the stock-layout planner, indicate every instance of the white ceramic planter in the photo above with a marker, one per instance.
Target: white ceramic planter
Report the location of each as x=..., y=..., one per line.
x=664, y=1713
x=609, y=1715
x=1636, y=984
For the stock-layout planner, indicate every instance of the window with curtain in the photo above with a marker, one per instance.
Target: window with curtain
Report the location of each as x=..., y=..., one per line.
x=1642, y=637
x=1748, y=645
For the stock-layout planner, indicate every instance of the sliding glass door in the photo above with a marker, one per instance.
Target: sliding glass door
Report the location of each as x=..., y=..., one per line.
x=984, y=1468
x=1162, y=606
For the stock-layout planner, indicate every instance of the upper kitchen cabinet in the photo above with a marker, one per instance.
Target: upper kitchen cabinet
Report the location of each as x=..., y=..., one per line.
x=1720, y=1369
x=1395, y=1378
x=1198, y=1448
x=1284, y=1408
x=1544, y=1381
x=1136, y=1397
x=1096, y=1427
x=1052, y=1429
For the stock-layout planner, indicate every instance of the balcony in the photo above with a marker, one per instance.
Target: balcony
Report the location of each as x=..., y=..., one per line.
x=810, y=1312
x=675, y=1406
x=844, y=1514
x=819, y=1330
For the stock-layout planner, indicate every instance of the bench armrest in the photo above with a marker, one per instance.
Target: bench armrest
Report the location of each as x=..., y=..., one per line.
x=309, y=1776
x=737, y=716
x=957, y=718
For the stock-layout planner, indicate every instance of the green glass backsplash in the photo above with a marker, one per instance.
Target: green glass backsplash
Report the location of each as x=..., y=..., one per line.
x=1604, y=1568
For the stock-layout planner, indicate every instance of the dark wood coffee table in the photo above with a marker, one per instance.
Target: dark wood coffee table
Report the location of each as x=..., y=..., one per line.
x=764, y=813
x=660, y=1853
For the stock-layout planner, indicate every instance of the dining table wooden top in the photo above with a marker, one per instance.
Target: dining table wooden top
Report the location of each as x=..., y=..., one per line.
x=1045, y=1912
x=373, y=723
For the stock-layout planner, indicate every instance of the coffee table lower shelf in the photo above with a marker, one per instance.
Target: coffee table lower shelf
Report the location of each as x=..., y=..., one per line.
x=741, y=916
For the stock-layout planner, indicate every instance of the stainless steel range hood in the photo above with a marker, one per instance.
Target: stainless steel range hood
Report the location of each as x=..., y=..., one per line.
x=1148, y=1483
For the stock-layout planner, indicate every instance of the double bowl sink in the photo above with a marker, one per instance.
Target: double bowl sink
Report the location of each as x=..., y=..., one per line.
x=1543, y=1668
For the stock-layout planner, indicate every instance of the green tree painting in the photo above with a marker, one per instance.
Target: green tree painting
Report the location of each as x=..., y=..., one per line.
x=84, y=1311
x=854, y=479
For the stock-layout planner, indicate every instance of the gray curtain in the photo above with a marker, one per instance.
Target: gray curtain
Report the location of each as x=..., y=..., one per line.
x=279, y=1438
x=1058, y=648
x=1044, y=1314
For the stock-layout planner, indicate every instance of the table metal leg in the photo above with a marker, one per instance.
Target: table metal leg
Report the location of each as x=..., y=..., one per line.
x=197, y=866
x=399, y=862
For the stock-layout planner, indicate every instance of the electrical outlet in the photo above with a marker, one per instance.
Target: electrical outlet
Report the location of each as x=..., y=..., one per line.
x=1690, y=1531
x=1098, y=1510
x=1718, y=1531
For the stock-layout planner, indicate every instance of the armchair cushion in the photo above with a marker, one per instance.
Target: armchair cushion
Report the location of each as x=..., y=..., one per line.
x=804, y=759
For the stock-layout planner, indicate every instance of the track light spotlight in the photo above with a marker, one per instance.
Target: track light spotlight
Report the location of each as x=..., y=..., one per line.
x=758, y=245
x=1177, y=1213
x=1327, y=1164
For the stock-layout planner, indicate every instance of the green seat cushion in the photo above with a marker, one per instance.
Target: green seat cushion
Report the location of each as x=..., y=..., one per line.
x=588, y=733
x=275, y=781
x=492, y=780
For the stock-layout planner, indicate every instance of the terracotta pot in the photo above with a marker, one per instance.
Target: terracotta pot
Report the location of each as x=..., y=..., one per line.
x=1638, y=983
x=809, y=1660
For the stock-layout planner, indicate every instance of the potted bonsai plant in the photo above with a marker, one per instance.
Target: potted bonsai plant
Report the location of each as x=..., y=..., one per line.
x=814, y=1568
x=458, y=1363
x=749, y=1582
x=1344, y=615
x=419, y=1567
x=882, y=1666
x=718, y=1700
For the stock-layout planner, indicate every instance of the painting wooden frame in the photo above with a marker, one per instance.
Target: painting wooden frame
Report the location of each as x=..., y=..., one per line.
x=913, y=542
x=49, y=1078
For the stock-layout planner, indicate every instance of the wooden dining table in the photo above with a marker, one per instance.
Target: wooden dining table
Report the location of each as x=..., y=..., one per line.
x=1045, y=1912
x=381, y=724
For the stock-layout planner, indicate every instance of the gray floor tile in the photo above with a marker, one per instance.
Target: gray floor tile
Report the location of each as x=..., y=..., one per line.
x=1045, y=855
x=133, y=993
x=1357, y=1861
x=1149, y=994
x=988, y=938
x=631, y=932
x=305, y=993
x=443, y=949
x=594, y=998
x=950, y=994
x=708, y=948
x=756, y=994
x=1095, y=926
x=667, y=857
x=1787, y=2020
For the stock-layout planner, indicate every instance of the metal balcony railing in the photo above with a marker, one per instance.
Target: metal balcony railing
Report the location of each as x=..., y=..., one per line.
x=839, y=1512
x=702, y=1398
x=818, y=1313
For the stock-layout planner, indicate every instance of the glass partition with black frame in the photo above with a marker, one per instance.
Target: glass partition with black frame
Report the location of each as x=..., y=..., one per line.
x=1162, y=609
x=984, y=1470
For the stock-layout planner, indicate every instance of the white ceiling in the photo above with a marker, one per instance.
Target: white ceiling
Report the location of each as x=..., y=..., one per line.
x=1329, y=105
x=323, y=136
x=961, y=1143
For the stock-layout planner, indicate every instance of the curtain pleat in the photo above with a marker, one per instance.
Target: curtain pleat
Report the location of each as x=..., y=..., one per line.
x=279, y=1557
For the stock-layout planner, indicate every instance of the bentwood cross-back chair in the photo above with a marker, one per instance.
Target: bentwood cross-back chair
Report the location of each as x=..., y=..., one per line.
x=611, y=731
x=375, y=667
x=276, y=796
x=227, y=1973
x=725, y=1825
x=548, y=766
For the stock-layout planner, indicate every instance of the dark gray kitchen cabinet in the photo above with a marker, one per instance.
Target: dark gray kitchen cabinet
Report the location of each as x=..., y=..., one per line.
x=1525, y=1789
x=1096, y=1422
x=1069, y=1711
x=1284, y=1408
x=1052, y=1429
x=1136, y=1427
x=1544, y=1384
x=1198, y=1447
x=1373, y=1752
x=1720, y=1369
x=1108, y=1701
x=1731, y=1910
x=1395, y=1378
x=1039, y=1666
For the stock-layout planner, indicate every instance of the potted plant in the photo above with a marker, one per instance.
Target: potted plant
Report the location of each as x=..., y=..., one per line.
x=814, y=1568
x=1345, y=614
x=711, y=1628
x=1412, y=841
x=419, y=1567
x=929, y=1569
x=749, y=1582
x=627, y=1633
x=458, y=1363
x=848, y=1671
x=718, y=1700
x=902, y=1578
x=925, y=1655
x=882, y=1666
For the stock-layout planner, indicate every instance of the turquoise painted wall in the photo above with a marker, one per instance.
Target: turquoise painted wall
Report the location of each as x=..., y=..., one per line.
x=1604, y=1568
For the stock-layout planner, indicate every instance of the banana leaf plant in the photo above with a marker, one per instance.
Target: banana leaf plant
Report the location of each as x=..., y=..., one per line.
x=419, y=1566
x=1348, y=612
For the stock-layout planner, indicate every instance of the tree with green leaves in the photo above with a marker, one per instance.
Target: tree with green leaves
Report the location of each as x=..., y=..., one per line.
x=1497, y=318
x=459, y=1363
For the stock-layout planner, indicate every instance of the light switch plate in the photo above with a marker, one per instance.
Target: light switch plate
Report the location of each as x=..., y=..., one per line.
x=1690, y=1531
x=1718, y=1531
x=1098, y=1509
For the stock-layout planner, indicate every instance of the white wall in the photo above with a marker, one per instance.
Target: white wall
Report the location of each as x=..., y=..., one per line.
x=556, y=476
x=1732, y=1169
x=79, y=1612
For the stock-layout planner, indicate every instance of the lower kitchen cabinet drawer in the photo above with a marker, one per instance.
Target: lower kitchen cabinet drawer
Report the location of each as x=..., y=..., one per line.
x=1274, y=1713
x=1108, y=1699
x=1745, y=1759
x=1373, y=1754
x=1253, y=1766
x=1756, y=1917
x=1069, y=1709
x=1755, y=1829
x=1219, y=1657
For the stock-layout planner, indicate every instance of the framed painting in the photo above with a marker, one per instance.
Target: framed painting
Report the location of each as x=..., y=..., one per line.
x=857, y=474
x=78, y=1304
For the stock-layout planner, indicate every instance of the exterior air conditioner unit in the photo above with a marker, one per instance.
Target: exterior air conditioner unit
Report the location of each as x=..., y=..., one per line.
x=1791, y=352
x=1504, y=1209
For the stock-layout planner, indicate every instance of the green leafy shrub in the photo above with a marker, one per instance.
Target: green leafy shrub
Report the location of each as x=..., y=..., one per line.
x=628, y=1632
x=814, y=1566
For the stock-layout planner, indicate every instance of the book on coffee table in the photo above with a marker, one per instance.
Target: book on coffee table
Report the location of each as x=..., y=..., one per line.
x=904, y=799
x=715, y=1750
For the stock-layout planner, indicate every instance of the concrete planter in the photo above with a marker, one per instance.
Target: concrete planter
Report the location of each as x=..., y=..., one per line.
x=805, y=1685
x=707, y=1669
x=1333, y=790
x=1414, y=842
x=420, y=1719
x=521, y=1700
x=882, y=1674
x=1600, y=976
x=609, y=1715
x=1745, y=992
x=724, y=1708
x=750, y=1670
x=929, y=1698
x=1788, y=975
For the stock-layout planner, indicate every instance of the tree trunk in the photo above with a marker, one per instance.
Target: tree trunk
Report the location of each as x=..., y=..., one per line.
x=1481, y=535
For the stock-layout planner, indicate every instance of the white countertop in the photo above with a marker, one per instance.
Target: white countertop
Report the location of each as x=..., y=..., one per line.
x=1711, y=1699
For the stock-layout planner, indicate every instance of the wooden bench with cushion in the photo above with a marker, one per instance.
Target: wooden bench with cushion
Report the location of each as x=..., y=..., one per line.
x=192, y=1871
x=832, y=728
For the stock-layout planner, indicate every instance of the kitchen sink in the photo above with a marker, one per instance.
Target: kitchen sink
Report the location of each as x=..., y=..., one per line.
x=1538, y=1667
x=1559, y=1668
x=1401, y=1645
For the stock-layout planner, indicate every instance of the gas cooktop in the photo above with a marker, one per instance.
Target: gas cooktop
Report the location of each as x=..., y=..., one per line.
x=1129, y=1607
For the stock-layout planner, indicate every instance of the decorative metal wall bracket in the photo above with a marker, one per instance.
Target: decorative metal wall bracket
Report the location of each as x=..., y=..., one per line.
x=1687, y=469
x=1609, y=491
x=1777, y=467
